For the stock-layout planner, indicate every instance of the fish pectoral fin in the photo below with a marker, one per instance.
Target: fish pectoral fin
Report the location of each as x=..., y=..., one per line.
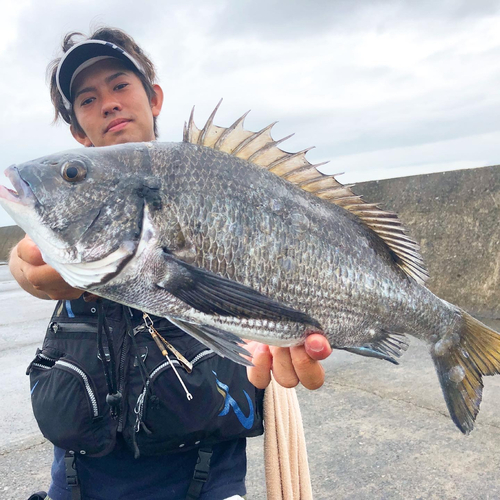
x=387, y=347
x=212, y=294
x=223, y=343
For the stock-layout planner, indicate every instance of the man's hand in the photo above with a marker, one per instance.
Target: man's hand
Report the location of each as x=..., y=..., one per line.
x=289, y=365
x=37, y=277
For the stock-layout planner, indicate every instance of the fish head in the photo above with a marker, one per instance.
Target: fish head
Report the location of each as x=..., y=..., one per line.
x=83, y=209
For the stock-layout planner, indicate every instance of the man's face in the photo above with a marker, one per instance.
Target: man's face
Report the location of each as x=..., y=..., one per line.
x=111, y=105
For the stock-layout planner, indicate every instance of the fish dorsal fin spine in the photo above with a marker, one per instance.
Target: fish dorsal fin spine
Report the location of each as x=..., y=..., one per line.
x=261, y=149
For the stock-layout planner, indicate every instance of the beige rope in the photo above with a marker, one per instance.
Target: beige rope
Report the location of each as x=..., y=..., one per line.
x=285, y=452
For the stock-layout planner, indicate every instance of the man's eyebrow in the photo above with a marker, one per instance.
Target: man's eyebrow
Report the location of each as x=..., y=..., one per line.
x=108, y=79
x=86, y=89
x=113, y=76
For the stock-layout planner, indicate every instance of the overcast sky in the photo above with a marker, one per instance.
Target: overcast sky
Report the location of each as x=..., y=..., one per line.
x=381, y=88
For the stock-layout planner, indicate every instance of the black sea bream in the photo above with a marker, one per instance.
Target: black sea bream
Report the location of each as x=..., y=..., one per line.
x=232, y=238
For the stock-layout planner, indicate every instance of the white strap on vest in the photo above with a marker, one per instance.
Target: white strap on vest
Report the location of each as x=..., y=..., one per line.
x=285, y=452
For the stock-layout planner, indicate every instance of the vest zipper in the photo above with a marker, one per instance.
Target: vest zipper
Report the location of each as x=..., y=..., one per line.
x=139, y=406
x=40, y=365
x=48, y=358
x=121, y=381
x=43, y=367
x=73, y=327
x=90, y=392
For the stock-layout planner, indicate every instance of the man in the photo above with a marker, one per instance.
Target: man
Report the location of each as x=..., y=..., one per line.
x=143, y=441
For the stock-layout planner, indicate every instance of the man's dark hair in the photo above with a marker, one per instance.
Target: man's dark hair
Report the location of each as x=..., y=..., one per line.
x=112, y=35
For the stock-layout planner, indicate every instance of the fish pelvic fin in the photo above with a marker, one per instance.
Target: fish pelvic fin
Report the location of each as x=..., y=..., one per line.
x=223, y=343
x=259, y=148
x=462, y=358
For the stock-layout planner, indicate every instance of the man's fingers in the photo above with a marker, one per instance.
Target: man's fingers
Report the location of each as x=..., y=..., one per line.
x=42, y=276
x=260, y=373
x=309, y=371
x=317, y=346
x=289, y=365
x=47, y=280
x=283, y=369
x=28, y=252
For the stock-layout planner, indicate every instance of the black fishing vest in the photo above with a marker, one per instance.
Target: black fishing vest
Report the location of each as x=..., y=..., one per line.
x=157, y=413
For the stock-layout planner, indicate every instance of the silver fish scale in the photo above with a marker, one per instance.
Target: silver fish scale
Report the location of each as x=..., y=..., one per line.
x=248, y=225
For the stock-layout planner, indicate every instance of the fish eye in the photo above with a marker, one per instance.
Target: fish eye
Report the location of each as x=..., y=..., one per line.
x=74, y=171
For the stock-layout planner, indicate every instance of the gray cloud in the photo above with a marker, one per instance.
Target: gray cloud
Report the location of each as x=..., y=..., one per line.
x=386, y=84
x=276, y=19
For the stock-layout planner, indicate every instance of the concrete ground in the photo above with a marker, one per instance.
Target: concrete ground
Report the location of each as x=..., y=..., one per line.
x=374, y=430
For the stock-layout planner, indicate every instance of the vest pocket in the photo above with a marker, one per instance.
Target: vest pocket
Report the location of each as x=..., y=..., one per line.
x=164, y=416
x=166, y=420
x=66, y=404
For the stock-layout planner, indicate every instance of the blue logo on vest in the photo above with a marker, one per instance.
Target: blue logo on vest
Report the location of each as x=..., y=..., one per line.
x=32, y=390
x=229, y=402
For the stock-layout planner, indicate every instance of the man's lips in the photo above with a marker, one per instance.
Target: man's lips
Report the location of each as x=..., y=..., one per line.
x=116, y=125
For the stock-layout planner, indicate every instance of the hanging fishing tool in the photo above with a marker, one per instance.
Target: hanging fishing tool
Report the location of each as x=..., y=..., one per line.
x=164, y=347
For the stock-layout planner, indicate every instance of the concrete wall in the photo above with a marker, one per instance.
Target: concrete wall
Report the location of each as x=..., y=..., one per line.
x=9, y=236
x=455, y=218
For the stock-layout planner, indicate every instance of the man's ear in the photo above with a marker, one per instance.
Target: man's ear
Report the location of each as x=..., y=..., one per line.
x=80, y=137
x=157, y=100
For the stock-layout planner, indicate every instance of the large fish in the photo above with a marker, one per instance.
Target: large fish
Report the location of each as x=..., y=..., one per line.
x=230, y=237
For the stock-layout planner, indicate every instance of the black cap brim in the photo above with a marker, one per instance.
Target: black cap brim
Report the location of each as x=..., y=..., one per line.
x=81, y=53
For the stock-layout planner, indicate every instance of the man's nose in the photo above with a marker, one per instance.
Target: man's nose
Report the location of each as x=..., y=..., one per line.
x=110, y=105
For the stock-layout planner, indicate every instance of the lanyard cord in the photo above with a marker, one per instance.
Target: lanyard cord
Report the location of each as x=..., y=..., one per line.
x=142, y=366
x=113, y=397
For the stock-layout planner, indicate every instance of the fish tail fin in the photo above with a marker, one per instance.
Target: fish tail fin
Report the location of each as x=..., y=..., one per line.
x=462, y=357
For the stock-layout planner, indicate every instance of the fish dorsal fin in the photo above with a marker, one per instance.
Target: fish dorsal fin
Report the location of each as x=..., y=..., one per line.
x=261, y=149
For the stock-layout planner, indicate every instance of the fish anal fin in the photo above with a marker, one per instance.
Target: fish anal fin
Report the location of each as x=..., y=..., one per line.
x=384, y=345
x=370, y=353
x=262, y=150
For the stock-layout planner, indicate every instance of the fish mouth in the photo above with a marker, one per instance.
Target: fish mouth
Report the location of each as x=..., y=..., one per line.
x=22, y=193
